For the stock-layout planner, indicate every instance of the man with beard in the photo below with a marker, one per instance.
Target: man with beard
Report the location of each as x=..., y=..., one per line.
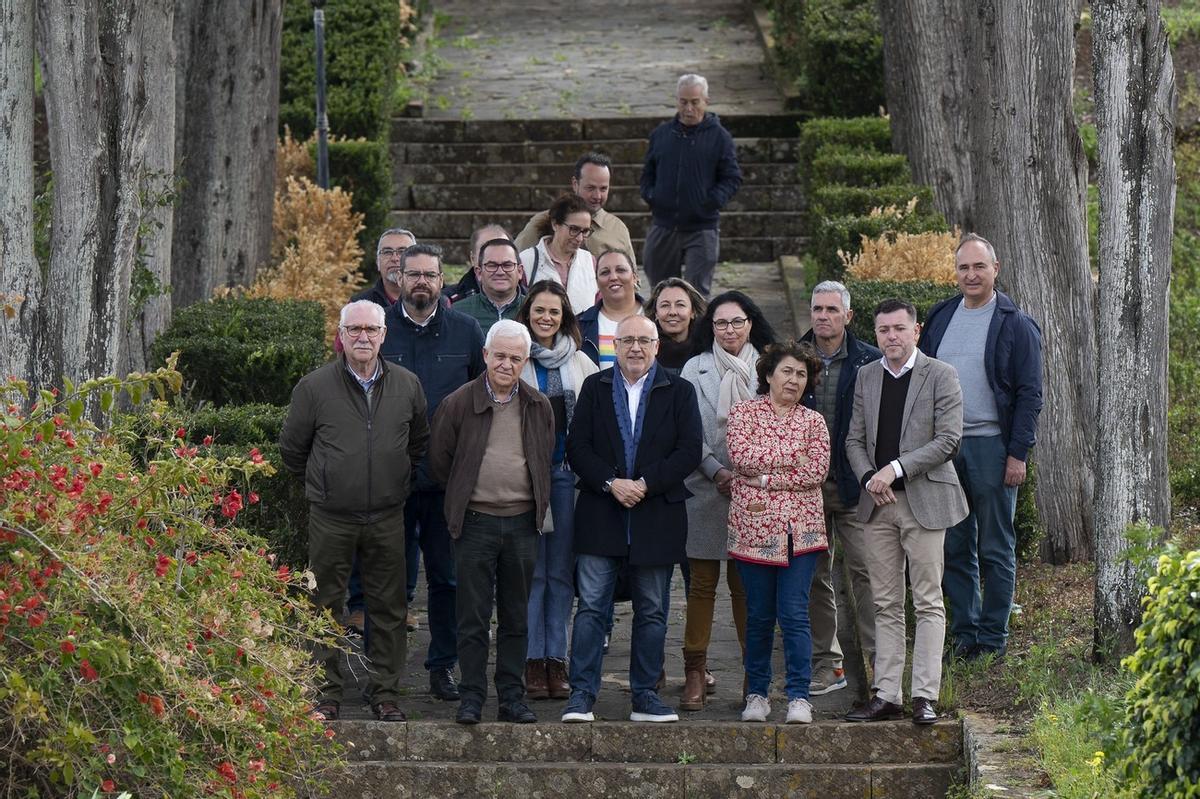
x=444, y=349
x=388, y=252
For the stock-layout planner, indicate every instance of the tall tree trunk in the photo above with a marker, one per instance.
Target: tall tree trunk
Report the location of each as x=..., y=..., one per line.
x=228, y=80
x=20, y=276
x=1029, y=180
x=924, y=74
x=1135, y=113
x=103, y=61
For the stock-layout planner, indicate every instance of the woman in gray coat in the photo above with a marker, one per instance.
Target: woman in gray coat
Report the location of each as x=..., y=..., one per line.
x=728, y=338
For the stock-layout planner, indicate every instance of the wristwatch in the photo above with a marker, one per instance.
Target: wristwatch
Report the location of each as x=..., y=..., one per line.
x=608, y=486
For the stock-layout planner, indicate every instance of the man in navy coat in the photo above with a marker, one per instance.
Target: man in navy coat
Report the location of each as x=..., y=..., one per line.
x=636, y=434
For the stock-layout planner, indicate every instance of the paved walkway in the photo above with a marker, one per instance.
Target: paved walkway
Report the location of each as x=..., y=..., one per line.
x=594, y=58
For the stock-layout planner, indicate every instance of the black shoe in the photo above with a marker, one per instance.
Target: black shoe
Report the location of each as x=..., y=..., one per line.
x=388, y=711
x=516, y=712
x=923, y=712
x=959, y=653
x=469, y=712
x=979, y=652
x=442, y=685
x=876, y=710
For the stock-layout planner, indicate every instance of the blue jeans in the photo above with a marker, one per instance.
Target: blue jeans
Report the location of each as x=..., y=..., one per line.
x=778, y=593
x=553, y=591
x=597, y=576
x=425, y=520
x=982, y=548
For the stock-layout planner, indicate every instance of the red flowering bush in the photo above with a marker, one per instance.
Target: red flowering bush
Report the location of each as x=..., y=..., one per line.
x=147, y=644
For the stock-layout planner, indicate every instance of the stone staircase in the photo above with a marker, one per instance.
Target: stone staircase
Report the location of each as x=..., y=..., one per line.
x=450, y=176
x=615, y=759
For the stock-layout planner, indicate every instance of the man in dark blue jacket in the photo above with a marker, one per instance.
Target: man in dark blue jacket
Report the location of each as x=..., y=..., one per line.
x=997, y=350
x=444, y=349
x=833, y=397
x=690, y=173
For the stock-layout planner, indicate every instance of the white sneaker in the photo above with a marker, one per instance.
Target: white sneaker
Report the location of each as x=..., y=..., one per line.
x=757, y=708
x=799, y=712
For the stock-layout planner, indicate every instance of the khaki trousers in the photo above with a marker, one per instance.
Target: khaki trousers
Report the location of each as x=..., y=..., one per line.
x=896, y=537
x=701, y=602
x=846, y=533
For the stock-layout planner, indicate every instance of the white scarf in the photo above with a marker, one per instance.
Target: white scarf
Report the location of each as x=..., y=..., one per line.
x=737, y=378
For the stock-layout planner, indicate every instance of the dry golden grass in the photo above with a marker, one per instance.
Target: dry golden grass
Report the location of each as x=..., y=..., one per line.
x=904, y=257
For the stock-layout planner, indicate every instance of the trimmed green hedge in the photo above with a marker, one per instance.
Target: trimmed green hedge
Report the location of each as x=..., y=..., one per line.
x=363, y=168
x=844, y=232
x=840, y=200
x=238, y=350
x=858, y=168
x=863, y=133
x=866, y=294
x=841, y=47
x=362, y=51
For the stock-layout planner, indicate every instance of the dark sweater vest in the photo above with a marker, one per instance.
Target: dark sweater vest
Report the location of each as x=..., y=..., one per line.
x=891, y=416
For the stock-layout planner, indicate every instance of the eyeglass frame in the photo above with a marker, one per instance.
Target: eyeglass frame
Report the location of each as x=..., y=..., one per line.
x=372, y=331
x=736, y=323
x=627, y=342
x=492, y=267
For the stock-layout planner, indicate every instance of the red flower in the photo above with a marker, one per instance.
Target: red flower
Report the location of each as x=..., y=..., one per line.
x=162, y=565
x=108, y=786
x=67, y=647
x=231, y=504
x=156, y=705
x=255, y=456
x=208, y=441
x=96, y=469
x=253, y=498
x=227, y=771
x=87, y=672
x=180, y=433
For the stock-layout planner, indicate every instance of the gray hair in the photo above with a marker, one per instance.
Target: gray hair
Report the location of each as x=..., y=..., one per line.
x=393, y=231
x=691, y=79
x=970, y=237
x=508, y=328
x=833, y=287
x=373, y=306
x=498, y=231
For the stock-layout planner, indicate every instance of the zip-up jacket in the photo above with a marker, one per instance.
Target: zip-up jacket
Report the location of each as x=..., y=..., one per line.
x=1012, y=358
x=589, y=329
x=690, y=173
x=356, y=457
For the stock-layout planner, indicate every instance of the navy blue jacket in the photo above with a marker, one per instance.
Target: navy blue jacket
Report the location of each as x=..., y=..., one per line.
x=690, y=173
x=376, y=294
x=858, y=355
x=445, y=354
x=668, y=452
x=589, y=329
x=1012, y=359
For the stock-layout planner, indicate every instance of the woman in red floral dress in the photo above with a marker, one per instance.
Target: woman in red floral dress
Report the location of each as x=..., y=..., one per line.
x=779, y=450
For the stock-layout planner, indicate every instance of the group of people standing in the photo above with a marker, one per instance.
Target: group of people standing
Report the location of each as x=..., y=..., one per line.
x=541, y=432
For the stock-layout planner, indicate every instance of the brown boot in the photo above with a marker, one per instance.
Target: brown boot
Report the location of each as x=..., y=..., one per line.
x=693, y=690
x=557, y=681
x=535, y=679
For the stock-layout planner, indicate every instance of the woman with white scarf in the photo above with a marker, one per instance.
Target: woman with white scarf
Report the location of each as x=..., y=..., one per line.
x=557, y=368
x=728, y=338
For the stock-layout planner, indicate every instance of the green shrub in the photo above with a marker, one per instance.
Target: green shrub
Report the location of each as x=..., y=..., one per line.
x=1163, y=720
x=1026, y=522
x=866, y=294
x=1183, y=419
x=837, y=199
x=362, y=47
x=364, y=169
x=243, y=350
x=841, y=50
x=845, y=232
x=863, y=133
x=857, y=168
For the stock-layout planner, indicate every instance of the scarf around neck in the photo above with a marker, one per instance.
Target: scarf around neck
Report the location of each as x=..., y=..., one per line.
x=560, y=377
x=737, y=378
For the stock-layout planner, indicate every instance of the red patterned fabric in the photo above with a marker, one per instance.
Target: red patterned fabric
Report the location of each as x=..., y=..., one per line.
x=794, y=454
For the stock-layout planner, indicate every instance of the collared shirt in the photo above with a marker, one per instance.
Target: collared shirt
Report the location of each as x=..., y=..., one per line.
x=633, y=391
x=487, y=384
x=369, y=383
x=908, y=365
x=428, y=319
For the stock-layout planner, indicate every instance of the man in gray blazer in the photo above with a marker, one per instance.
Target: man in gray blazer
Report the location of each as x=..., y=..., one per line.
x=904, y=431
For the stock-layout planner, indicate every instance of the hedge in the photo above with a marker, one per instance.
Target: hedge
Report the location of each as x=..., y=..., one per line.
x=863, y=133
x=845, y=232
x=838, y=199
x=857, y=168
x=363, y=168
x=866, y=294
x=841, y=50
x=362, y=52
x=238, y=350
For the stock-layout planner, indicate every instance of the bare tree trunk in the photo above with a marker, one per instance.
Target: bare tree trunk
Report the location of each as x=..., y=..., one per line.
x=924, y=71
x=1135, y=114
x=103, y=61
x=1029, y=180
x=20, y=276
x=228, y=80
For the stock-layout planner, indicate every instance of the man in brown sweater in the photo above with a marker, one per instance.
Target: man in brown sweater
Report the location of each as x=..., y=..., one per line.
x=491, y=445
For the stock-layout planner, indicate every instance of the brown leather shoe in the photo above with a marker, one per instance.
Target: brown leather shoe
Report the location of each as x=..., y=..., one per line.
x=693, y=690
x=557, y=681
x=923, y=712
x=535, y=679
x=710, y=682
x=876, y=710
x=388, y=711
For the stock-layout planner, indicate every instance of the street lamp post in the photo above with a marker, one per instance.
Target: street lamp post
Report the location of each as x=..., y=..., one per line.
x=322, y=118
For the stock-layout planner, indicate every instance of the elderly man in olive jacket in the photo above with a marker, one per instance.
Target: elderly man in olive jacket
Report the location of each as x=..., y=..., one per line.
x=353, y=431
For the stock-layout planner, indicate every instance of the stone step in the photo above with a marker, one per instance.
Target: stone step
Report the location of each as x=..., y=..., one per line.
x=556, y=176
x=623, y=151
x=713, y=742
x=460, y=224
x=405, y=129
x=747, y=250
x=619, y=780
x=621, y=199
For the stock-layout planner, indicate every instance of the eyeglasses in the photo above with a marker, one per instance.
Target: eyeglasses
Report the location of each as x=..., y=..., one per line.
x=725, y=324
x=628, y=341
x=574, y=231
x=415, y=276
x=354, y=331
x=392, y=252
x=499, y=266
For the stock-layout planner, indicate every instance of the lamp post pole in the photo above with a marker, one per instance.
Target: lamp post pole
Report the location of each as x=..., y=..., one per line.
x=322, y=118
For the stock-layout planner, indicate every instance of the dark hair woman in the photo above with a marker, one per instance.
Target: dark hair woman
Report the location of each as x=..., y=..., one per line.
x=559, y=254
x=674, y=306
